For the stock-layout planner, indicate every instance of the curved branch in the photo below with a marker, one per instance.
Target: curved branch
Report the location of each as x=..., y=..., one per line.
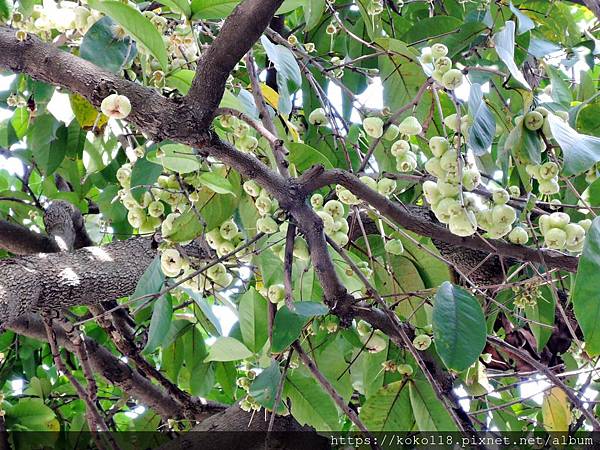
x=420, y=224
x=22, y=241
x=240, y=31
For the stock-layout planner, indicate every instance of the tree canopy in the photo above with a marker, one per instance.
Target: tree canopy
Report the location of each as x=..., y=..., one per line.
x=339, y=216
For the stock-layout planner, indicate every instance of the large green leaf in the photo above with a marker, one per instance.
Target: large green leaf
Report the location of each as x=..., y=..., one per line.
x=143, y=174
x=580, y=151
x=162, y=313
x=151, y=281
x=253, y=319
x=101, y=47
x=304, y=156
x=182, y=6
x=483, y=129
x=216, y=183
x=430, y=414
x=218, y=9
x=524, y=144
x=310, y=403
x=137, y=25
x=586, y=298
x=186, y=227
x=458, y=326
x=525, y=23
x=177, y=157
x=264, y=387
x=32, y=415
x=431, y=26
x=227, y=348
x=389, y=409
x=542, y=313
x=288, y=73
x=286, y=329
x=504, y=42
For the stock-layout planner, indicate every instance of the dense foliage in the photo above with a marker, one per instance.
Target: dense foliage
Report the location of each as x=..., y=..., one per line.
x=475, y=123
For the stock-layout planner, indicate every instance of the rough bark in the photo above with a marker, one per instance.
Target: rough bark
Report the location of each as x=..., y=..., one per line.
x=22, y=241
x=89, y=276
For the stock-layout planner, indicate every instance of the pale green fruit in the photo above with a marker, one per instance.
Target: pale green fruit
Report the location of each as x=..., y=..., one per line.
x=266, y=225
x=452, y=79
x=216, y=271
x=400, y=147
x=504, y=214
x=156, y=208
x=264, y=204
x=328, y=222
x=363, y=328
x=453, y=122
x=591, y=176
x=405, y=370
x=471, y=179
x=407, y=162
x=422, y=342
x=438, y=145
x=426, y=56
x=241, y=129
x=347, y=197
x=437, y=76
x=445, y=209
x=149, y=225
x=391, y=133
x=448, y=161
x=575, y=234
x=514, y=191
x=549, y=187
x=129, y=202
x=214, y=238
x=136, y=217
x=341, y=225
x=447, y=189
x=171, y=262
x=500, y=197
x=434, y=167
x=229, y=229
x=544, y=223
x=224, y=280
x=533, y=171
x=443, y=64
x=317, y=117
x=247, y=143
x=518, y=235
x=116, y=106
x=394, y=247
x=370, y=182
x=497, y=231
x=564, y=115
x=578, y=248
x=301, y=249
x=167, y=226
x=432, y=193
x=227, y=121
x=340, y=238
x=549, y=170
x=555, y=238
x=124, y=175
x=252, y=188
x=386, y=186
x=146, y=199
x=585, y=224
x=533, y=120
x=485, y=219
x=375, y=343
x=276, y=293
x=334, y=208
x=439, y=50
x=559, y=220
x=463, y=224
x=410, y=126
x=373, y=126
x=316, y=201
x=225, y=248
x=543, y=111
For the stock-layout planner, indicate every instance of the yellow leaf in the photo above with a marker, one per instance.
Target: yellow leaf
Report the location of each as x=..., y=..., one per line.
x=86, y=114
x=556, y=410
x=272, y=98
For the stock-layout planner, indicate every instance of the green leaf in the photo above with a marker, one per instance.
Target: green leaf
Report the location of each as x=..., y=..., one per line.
x=85, y=113
x=206, y=310
x=313, y=11
x=178, y=158
x=428, y=27
x=151, y=281
x=186, y=227
x=33, y=415
x=144, y=173
x=310, y=309
x=162, y=313
x=4, y=10
x=20, y=121
x=288, y=73
x=543, y=312
x=218, y=9
x=101, y=47
x=525, y=23
x=388, y=409
x=227, y=348
x=561, y=93
x=459, y=327
x=310, y=403
x=182, y=6
x=137, y=25
x=580, y=151
x=483, y=129
x=430, y=414
x=286, y=329
x=524, y=144
x=304, y=156
x=264, y=386
x=253, y=319
x=585, y=292
x=216, y=183
x=504, y=42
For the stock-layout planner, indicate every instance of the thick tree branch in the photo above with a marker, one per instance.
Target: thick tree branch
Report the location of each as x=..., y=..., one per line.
x=21, y=241
x=422, y=225
x=238, y=34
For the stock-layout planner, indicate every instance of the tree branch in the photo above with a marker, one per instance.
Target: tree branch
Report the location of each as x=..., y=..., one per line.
x=238, y=34
x=22, y=241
